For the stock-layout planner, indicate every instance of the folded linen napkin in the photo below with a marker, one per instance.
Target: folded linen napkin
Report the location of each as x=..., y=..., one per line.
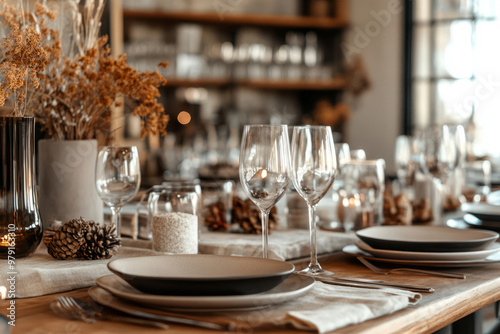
x=324, y=308
x=283, y=244
x=331, y=307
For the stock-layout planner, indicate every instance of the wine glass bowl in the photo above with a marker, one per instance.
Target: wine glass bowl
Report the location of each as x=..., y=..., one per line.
x=117, y=178
x=314, y=167
x=264, y=169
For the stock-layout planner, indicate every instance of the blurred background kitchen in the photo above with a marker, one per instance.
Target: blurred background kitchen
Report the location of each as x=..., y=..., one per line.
x=373, y=70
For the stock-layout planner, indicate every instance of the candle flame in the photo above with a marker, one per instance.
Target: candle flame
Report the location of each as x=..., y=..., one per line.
x=3, y=292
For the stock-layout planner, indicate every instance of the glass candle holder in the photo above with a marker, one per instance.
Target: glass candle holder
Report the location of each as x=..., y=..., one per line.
x=173, y=212
x=366, y=180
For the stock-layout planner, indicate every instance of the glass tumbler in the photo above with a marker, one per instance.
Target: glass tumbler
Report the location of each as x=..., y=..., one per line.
x=173, y=214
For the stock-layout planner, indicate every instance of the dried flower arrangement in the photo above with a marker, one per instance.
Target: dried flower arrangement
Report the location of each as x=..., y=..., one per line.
x=22, y=56
x=73, y=98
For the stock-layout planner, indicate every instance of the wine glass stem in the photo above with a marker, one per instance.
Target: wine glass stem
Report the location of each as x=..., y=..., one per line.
x=116, y=218
x=265, y=234
x=438, y=201
x=312, y=234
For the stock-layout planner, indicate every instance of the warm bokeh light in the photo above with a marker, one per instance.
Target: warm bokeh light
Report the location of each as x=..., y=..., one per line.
x=184, y=117
x=4, y=241
x=264, y=173
x=3, y=292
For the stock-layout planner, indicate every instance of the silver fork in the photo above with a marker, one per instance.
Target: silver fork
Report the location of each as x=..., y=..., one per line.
x=67, y=307
x=418, y=271
x=81, y=310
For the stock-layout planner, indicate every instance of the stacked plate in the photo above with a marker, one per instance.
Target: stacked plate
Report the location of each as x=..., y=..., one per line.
x=201, y=282
x=483, y=215
x=427, y=246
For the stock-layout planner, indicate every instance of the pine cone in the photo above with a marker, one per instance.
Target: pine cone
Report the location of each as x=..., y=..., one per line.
x=67, y=240
x=100, y=242
x=215, y=217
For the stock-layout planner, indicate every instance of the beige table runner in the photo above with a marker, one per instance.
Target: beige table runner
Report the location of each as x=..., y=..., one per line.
x=283, y=244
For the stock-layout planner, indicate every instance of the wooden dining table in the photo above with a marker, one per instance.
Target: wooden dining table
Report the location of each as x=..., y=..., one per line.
x=454, y=301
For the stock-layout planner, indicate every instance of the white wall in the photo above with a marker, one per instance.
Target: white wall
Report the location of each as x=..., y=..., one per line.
x=376, y=33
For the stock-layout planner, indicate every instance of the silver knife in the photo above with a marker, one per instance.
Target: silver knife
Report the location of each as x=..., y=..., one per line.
x=366, y=283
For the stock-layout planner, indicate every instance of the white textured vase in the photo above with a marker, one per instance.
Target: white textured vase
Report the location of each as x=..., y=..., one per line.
x=67, y=181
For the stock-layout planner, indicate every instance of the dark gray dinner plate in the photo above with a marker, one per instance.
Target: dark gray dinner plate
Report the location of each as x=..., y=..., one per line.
x=474, y=222
x=483, y=211
x=201, y=275
x=426, y=238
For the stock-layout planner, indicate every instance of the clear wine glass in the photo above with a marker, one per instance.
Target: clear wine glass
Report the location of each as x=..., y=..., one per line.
x=265, y=169
x=455, y=183
x=314, y=166
x=117, y=178
x=439, y=160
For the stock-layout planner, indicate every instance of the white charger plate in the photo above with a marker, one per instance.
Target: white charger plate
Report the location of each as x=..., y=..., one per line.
x=201, y=274
x=494, y=258
x=429, y=256
x=293, y=287
x=426, y=238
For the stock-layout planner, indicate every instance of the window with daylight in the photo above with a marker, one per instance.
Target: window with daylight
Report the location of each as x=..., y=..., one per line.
x=455, y=69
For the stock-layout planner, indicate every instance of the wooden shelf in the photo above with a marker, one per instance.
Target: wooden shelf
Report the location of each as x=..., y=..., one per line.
x=240, y=19
x=202, y=82
x=330, y=84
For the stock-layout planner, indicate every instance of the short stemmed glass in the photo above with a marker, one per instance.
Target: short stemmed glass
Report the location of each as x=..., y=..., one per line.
x=314, y=166
x=117, y=178
x=265, y=169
